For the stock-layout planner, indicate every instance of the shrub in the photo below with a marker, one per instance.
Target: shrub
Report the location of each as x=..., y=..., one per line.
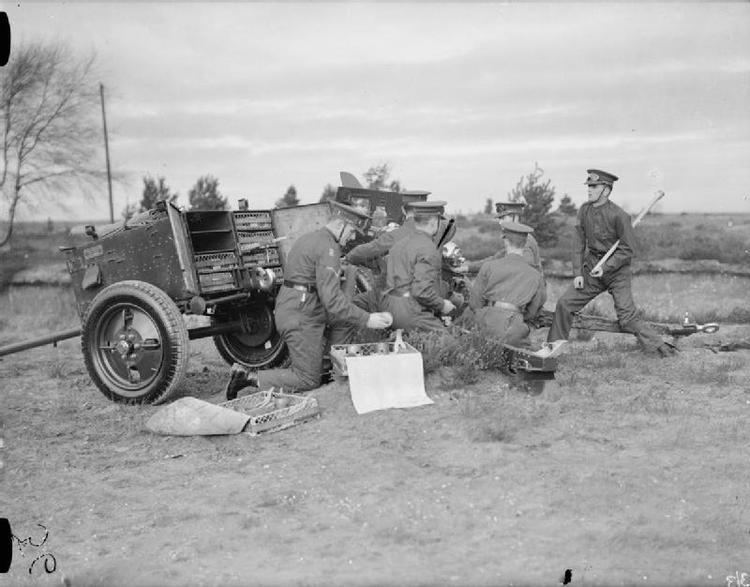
x=464, y=352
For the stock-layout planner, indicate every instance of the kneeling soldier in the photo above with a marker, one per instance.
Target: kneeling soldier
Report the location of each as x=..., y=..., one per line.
x=412, y=292
x=508, y=292
x=310, y=299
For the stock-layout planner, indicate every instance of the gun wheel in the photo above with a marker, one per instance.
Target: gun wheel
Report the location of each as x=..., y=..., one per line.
x=135, y=343
x=259, y=346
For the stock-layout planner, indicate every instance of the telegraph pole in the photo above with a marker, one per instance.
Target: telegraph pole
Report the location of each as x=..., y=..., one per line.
x=106, y=152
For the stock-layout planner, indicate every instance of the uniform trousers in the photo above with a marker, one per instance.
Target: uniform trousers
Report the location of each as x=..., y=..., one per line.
x=304, y=327
x=617, y=283
x=502, y=324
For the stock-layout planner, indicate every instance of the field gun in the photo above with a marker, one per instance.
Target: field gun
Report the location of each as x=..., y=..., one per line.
x=135, y=280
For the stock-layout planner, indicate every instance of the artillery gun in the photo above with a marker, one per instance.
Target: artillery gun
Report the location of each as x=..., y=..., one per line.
x=133, y=281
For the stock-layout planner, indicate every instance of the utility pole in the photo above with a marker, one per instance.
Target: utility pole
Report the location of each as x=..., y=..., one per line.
x=106, y=152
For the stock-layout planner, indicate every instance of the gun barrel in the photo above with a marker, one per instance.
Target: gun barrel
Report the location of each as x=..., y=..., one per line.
x=30, y=344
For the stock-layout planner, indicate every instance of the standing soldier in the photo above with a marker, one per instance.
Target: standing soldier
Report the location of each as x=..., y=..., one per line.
x=601, y=223
x=413, y=273
x=511, y=211
x=310, y=299
x=508, y=292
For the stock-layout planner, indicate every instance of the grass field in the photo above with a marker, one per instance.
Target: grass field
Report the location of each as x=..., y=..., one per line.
x=627, y=469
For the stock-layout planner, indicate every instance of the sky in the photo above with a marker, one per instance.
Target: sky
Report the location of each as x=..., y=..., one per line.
x=461, y=99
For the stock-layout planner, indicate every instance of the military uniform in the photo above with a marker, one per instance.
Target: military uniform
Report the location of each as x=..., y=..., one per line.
x=597, y=229
x=310, y=299
x=507, y=293
x=530, y=250
x=373, y=253
x=412, y=293
x=530, y=255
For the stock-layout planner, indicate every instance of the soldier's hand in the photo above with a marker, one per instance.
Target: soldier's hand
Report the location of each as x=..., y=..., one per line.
x=578, y=282
x=379, y=320
x=448, y=307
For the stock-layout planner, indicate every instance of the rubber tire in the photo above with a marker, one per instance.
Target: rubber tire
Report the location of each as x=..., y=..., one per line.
x=232, y=349
x=154, y=302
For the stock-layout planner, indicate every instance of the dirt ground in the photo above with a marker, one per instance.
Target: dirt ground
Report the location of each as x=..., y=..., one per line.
x=626, y=470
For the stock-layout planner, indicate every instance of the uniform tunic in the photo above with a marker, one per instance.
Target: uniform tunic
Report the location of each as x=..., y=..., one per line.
x=514, y=281
x=372, y=254
x=413, y=283
x=530, y=254
x=596, y=230
x=301, y=317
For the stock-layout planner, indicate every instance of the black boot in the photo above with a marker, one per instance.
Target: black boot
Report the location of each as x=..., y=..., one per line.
x=239, y=378
x=667, y=349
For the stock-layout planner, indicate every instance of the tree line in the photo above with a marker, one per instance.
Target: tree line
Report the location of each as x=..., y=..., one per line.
x=50, y=131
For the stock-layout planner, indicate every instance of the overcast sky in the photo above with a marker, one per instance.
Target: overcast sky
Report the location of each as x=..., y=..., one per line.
x=459, y=99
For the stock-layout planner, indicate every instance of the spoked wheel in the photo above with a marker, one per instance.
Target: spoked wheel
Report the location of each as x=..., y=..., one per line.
x=259, y=345
x=135, y=343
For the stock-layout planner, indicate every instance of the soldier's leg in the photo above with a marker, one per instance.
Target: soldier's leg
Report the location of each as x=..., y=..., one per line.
x=620, y=286
x=517, y=333
x=305, y=344
x=572, y=301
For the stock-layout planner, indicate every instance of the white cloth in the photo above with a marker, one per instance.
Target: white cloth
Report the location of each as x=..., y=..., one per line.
x=393, y=380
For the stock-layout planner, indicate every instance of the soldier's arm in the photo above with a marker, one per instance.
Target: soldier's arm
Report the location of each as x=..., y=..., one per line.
x=624, y=252
x=426, y=278
x=327, y=280
x=376, y=248
x=476, y=296
x=579, y=244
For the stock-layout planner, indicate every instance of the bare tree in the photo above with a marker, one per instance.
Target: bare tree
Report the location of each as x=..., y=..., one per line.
x=49, y=125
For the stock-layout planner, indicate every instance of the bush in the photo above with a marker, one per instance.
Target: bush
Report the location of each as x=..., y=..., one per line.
x=465, y=353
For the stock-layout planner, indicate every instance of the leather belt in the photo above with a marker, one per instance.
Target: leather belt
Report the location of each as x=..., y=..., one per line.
x=308, y=287
x=400, y=294
x=507, y=306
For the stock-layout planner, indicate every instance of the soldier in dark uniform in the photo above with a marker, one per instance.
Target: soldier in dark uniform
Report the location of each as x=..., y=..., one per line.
x=372, y=254
x=508, y=292
x=511, y=211
x=412, y=292
x=310, y=299
x=601, y=223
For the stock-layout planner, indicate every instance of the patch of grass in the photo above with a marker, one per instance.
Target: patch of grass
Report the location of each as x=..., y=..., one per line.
x=463, y=353
x=705, y=373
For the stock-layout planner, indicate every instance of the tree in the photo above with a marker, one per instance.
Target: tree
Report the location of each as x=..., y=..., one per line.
x=154, y=190
x=289, y=199
x=329, y=193
x=567, y=207
x=49, y=122
x=538, y=197
x=205, y=195
x=488, y=206
x=377, y=178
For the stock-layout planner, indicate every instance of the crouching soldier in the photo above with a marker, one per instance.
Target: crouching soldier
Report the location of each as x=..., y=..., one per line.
x=412, y=293
x=309, y=300
x=600, y=225
x=508, y=292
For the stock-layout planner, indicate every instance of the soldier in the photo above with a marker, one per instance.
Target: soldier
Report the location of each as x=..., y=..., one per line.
x=373, y=252
x=413, y=273
x=511, y=211
x=508, y=292
x=599, y=224
x=310, y=299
